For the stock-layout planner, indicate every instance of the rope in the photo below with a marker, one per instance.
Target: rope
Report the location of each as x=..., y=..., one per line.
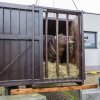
x=53, y=3
x=75, y=4
x=36, y=2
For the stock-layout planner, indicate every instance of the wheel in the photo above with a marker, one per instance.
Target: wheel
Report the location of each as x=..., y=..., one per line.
x=80, y=83
x=7, y=89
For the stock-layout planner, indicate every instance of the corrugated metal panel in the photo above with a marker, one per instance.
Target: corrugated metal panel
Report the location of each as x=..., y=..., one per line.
x=15, y=23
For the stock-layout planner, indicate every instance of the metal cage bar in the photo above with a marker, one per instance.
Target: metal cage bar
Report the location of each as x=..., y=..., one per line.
x=67, y=46
x=80, y=49
x=46, y=44
x=77, y=42
x=57, y=45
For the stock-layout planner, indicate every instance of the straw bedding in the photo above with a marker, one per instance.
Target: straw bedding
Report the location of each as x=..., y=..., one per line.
x=62, y=70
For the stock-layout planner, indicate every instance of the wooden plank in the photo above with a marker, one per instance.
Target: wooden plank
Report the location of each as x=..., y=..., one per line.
x=15, y=68
x=1, y=41
x=41, y=42
x=1, y=21
x=1, y=58
x=29, y=61
x=29, y=22
x=36, y=60
x=7, y=43
x=30, y=32
x=22, y=60
x=53, y=89
x=38, y=44
x=22, y=44
x=6, y=61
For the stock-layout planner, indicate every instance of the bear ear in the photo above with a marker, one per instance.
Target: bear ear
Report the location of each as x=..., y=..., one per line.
x=61, y=34
x=55, y=37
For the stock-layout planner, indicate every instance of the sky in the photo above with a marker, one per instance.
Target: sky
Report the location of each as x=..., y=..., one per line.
x=92, y=6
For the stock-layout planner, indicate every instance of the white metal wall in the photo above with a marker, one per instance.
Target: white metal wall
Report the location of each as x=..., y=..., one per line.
x=91, y=22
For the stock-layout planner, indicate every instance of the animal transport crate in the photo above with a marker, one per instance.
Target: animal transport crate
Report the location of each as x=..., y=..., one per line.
x=40, y=45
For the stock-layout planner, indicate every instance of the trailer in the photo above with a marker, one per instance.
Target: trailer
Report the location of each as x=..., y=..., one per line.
x=24, y=34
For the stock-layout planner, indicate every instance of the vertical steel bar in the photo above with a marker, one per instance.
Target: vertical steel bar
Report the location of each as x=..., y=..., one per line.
x=76, y=42
x=77, y=45
x=57, y=45
x=46, y=44
x=67, y=45
x=77, y=34
x=82, y=65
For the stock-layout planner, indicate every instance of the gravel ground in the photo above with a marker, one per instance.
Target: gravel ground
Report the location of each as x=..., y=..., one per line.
x=92, y=78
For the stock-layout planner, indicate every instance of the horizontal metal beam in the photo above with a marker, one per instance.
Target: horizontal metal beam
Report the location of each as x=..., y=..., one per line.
x=16, y=82
x=15, y=6
x=18, y=37
x=15, y=37
x=29, y=7
x=58, y=10
x=36, y=82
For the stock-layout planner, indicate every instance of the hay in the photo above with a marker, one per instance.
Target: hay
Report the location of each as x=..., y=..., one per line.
x=62, y=71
